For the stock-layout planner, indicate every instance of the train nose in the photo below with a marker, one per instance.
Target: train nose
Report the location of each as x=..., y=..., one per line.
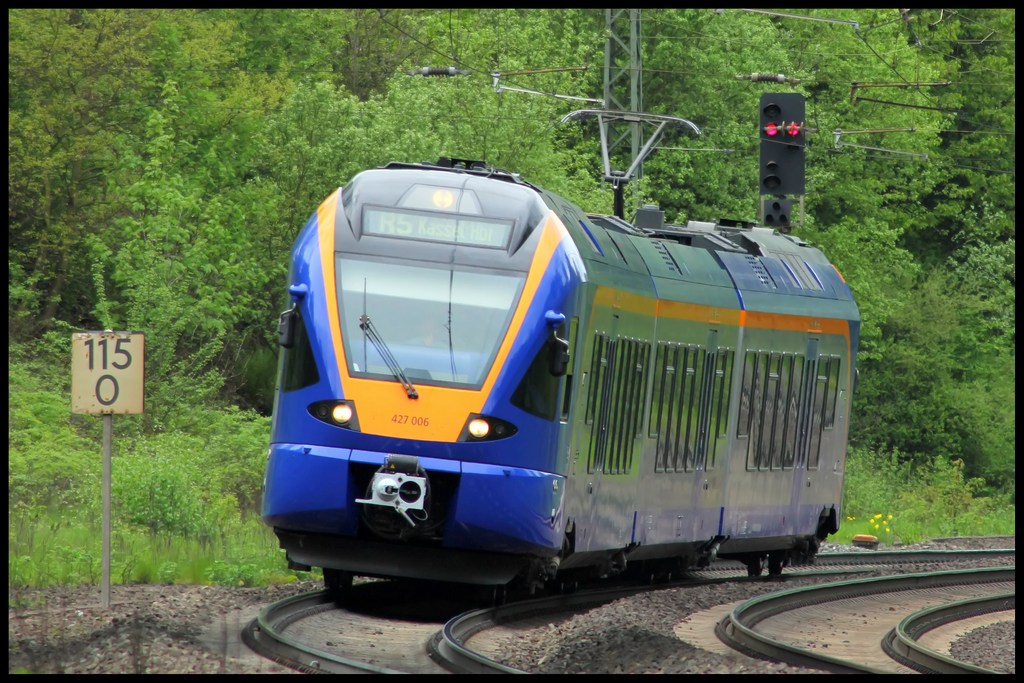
x=399, y=484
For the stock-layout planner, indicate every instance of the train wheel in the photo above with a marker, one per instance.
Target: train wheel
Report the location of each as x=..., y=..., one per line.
x=776, y=561
x=755, y=566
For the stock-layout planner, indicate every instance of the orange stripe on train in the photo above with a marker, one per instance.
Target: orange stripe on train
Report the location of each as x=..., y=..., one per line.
x=677, y=310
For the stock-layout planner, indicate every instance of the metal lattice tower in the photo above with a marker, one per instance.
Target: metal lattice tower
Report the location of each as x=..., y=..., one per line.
x=622, y=83
x=622, y=116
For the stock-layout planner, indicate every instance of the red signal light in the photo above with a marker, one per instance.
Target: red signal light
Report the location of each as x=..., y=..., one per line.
x=793, y=129
x=771, y=130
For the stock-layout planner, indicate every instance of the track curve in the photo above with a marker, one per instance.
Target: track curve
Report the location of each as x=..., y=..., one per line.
x=786, y=626
x=394, y=628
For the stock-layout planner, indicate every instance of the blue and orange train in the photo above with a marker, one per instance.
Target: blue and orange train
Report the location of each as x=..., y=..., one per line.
x=481, y=383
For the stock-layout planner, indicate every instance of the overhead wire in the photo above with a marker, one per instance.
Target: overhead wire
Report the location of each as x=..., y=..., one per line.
x=522, y=140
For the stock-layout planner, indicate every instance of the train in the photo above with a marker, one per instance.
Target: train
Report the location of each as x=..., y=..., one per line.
x=481, y=383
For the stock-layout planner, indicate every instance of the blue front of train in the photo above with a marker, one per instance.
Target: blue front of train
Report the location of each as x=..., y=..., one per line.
x=415, y=429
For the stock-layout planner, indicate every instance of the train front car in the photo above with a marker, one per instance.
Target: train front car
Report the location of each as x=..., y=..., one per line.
x=413, y=432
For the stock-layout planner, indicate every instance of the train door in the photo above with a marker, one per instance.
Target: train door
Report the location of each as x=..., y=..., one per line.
x=817, y=476
x=808, y=428
x=710, y=410
x=591, y=421
x=567, y=398
x=690, y=409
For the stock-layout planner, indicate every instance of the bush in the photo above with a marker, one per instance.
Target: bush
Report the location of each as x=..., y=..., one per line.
x=171, y=484
x=52, y=457
x=920, y=500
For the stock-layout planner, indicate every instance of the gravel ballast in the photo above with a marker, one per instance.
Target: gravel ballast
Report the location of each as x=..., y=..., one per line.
x=195, y=629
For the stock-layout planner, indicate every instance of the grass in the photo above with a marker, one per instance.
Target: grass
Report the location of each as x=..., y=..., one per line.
x=43, y=553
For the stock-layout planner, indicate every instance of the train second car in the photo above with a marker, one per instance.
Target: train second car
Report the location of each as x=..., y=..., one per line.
x=480, y=382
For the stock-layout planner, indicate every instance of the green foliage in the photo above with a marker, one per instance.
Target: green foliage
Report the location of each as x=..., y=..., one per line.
x=167, y=572
x=53, y=457
x=231, y=573
x=158, y=487
x=54, y=548
x=949, y=498
x=918, y=500
x=196, y=483
x=947, y=392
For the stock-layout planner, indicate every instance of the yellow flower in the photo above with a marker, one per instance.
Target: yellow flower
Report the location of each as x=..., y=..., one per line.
x=889, y=517
x=850, y=519
x=876, y=526
x=878, y=516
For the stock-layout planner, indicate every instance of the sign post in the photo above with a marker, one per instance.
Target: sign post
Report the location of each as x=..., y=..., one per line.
x=107, y=377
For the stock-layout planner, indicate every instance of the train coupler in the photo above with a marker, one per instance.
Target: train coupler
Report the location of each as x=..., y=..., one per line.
x=399, y=484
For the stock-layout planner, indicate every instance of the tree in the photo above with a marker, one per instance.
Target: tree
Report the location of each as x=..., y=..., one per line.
x=75, y=78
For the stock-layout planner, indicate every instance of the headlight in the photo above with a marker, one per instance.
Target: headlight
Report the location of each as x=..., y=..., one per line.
x=486, y=428
x=339, y=412
x=478, y=428
x=342, y=413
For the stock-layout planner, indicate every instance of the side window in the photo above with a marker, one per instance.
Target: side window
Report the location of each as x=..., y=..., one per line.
x=781, y=402
x=537, y=393
x=679, y=409
x=658, y=394
x=832, y=390
x=567, y=396
x=691, y=398
x=757, y=399
x=794, y=375
x=818, y=410
x=617, y=427
x=297, y=365
x=666, y=397
x=620, y=423
x=768, y=413
x=597, y=363
x=722, y=382
x=767, y=446
x=605, y=362
x=743, y=420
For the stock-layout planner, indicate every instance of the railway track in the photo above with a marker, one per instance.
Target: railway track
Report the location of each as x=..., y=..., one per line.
x=386, y=627
x=855, y=619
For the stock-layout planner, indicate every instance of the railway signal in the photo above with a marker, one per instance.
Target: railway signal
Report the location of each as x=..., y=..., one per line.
x=782, y=144
x=778, y=213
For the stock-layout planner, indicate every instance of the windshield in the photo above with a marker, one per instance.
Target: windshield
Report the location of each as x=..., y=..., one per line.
x=442, y=326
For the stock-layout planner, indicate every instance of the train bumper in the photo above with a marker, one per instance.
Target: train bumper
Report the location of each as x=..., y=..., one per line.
x=313, y=491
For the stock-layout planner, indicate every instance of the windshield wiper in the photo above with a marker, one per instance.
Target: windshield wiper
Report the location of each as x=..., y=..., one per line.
x=382, y=348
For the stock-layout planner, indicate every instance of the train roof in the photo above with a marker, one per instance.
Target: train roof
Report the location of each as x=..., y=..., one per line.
x=716, y=262
x=470, y=166
x=767, y=269
x=726, y=263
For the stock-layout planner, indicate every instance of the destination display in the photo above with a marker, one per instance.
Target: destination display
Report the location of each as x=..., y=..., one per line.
x=434, y=227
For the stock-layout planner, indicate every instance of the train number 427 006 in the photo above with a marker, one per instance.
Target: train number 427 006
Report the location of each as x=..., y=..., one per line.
x=413, y=420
